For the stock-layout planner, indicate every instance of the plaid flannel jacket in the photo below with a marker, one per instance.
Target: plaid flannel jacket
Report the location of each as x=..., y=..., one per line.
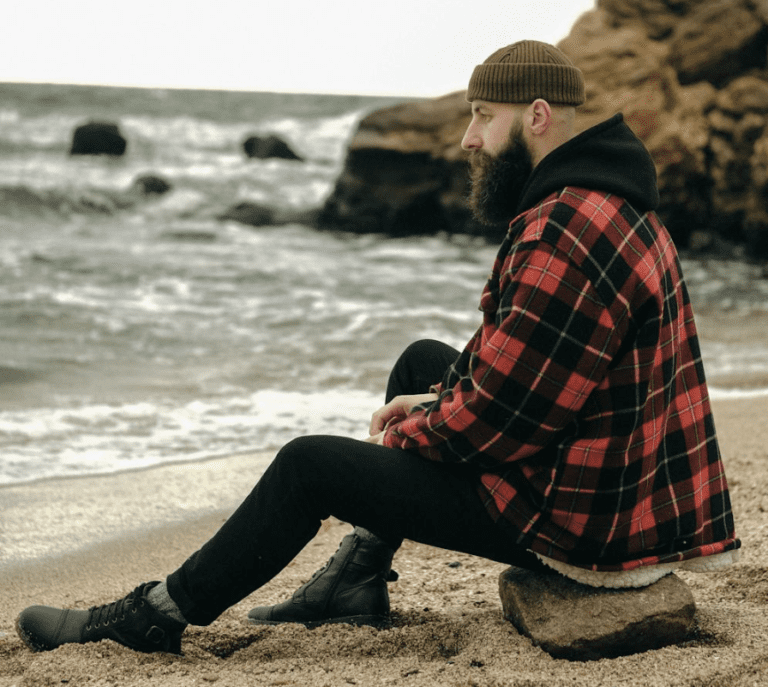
x=581, y=399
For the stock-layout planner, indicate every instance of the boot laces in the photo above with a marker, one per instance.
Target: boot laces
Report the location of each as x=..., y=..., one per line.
x=317, y=574
x=110, y=613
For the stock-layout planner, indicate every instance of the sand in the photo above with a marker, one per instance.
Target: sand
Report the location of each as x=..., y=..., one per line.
x=86, y=541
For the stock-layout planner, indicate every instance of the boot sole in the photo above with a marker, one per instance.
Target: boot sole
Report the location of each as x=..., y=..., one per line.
x=29, y=641
x=377, y=621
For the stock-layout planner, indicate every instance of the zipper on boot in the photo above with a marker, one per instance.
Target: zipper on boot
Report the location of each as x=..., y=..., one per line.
x=313, y=603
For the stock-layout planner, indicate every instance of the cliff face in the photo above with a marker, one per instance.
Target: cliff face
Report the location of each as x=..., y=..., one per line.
x=690, y=76
x=691, y=80
x=405, y=172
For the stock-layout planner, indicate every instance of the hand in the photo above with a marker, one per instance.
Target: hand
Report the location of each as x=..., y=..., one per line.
x=377, y=439
x=394, y=411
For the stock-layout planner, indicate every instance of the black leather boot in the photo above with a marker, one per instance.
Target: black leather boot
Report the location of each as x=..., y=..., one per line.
x=132, y=621
x=350, y=588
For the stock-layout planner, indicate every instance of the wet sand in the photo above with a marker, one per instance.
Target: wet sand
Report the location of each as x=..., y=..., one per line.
x=84, y=541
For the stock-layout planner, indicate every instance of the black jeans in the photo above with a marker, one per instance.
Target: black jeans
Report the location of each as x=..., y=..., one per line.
x=395, y=494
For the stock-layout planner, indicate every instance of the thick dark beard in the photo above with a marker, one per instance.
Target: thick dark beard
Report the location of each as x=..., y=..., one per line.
x=498, y=181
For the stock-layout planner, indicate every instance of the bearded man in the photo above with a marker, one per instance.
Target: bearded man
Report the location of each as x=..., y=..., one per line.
x=573, y=435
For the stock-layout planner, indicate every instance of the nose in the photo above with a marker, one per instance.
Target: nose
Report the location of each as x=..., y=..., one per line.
x=471, y=140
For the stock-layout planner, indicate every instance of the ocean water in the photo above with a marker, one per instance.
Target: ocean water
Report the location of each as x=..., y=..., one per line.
x=142, y=330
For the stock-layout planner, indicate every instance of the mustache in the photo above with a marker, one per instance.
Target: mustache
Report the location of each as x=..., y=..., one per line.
x=484, y=171
x=479, y=160
x=497, y=181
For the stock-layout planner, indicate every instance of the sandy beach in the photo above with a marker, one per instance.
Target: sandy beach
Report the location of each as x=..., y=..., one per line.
x=84, y=541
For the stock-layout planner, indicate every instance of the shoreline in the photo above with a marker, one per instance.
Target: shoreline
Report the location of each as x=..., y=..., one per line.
x=70, y=512
x=746, y=389
x=448, y=628
x=193, y=460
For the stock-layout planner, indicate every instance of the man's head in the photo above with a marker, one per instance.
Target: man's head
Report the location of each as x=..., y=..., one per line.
x=523, y=106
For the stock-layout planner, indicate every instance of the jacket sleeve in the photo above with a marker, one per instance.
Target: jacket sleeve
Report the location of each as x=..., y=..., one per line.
x=545, y=344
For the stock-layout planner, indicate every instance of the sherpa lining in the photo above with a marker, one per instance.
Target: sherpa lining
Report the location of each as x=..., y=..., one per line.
x=645, y=575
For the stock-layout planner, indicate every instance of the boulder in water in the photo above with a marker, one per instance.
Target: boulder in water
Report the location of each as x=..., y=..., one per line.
x=249, y=213
x=98, y=138
x=268, y=146
x=151, y=184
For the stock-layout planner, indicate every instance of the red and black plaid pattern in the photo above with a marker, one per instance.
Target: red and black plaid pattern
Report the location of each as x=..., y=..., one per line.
x=581, y=398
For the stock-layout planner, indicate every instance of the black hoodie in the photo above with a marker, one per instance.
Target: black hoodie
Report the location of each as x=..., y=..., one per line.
x=608, y=157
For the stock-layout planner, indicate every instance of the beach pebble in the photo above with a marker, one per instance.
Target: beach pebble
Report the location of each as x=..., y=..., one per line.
x=578, y=622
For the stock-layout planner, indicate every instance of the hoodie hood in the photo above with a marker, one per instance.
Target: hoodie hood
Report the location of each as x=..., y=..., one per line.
x=608, y=158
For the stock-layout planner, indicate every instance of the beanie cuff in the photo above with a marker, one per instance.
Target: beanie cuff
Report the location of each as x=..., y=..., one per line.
x=500, y=82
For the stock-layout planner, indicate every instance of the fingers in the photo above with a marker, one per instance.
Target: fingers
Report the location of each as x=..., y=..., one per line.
x=376, y=439
x=384, y=415
x=396, y=410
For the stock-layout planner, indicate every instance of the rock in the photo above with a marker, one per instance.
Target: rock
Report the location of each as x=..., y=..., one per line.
x=657, y=17
x=249, y=213
x=256, y=215
x=268, y=146
x=98, y=138
x=577, y=622
x=150, y=184
x=693, y=85
x=691, y=79
x=389, y=192
x=743, y=95
x=405, y=172
x=718, y=41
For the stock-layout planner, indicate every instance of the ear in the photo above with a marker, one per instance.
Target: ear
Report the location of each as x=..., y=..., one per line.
x=540, y=113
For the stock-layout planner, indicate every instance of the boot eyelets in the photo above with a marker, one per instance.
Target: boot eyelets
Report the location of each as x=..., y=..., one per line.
x=40, y=627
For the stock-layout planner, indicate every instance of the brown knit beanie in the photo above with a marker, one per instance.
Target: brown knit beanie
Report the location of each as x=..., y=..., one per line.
x=525, y=71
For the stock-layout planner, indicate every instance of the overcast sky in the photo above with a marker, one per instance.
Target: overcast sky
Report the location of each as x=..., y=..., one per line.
x=386, y=47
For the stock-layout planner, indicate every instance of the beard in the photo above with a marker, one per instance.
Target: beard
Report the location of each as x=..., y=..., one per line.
x=498, y=180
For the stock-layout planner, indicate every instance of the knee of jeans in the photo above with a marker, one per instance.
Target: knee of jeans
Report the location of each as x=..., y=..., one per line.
x=411, y=361
x=312, y=456
x=297, y=453
x=418, y=349
x=420, y=365
x=294, y=466
x=303, y=467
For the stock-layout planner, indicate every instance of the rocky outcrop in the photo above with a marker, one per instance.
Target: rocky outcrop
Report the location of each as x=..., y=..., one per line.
x=580, y=623
x=98, y=138
x=405, y=172
x=690, y=76
x=263, y=147
x=691, y=80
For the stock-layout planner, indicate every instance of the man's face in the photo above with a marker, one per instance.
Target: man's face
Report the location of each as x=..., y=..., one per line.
x=499, y=172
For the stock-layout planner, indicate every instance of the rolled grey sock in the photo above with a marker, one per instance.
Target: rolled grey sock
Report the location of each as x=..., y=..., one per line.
x=161, y=601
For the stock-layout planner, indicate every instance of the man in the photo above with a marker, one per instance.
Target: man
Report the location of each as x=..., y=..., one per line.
x=572, y=434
